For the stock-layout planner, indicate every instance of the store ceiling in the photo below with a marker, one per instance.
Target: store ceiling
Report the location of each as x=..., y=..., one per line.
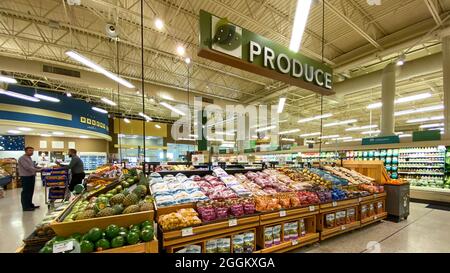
x=359, y=39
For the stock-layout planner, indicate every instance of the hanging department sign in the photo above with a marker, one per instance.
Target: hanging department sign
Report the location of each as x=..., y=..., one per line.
x=232, y=45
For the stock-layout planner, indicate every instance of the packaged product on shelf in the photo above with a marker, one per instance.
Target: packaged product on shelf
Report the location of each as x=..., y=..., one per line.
x=206, y=211
x=371, y=209
x=191, y=249
x=286, y=231
x=180, y=219
x=224, y=245
x=380, y=207
x=236, y=208
x=350, y=215
x=277, y=235
x=293, y=231
x=238, y=243
x=340, y=218
x=221, y=211
x=364, y=211
x=249, y=242
x=268, y=237
x=330, y=220
x=211, y=246
x=302, y=227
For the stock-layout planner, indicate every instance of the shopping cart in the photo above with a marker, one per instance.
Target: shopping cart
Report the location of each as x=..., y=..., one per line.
x=56, y=182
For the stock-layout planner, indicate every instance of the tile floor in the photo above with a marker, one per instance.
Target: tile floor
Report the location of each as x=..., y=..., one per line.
x=426, y=230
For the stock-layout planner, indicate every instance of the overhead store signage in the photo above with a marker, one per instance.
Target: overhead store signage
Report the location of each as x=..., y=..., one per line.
x=426, y=135
x=381, y=140
x=232, y=45
x=68, y=112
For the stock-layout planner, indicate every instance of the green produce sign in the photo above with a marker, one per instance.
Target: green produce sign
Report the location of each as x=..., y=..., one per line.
x=224, y=42
x=426, y=135
x=381, y=140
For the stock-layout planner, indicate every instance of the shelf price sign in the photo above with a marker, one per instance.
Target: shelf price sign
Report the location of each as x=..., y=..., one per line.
x=282, y=213
x=187, y=232
x=232, y=222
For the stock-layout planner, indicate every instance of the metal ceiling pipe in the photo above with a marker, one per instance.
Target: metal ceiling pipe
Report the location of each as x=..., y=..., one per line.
x=411, y=69
x=387, y=98
x=446, y=70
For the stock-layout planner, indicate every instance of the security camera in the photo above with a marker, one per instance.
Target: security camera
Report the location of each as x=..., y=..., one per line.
x=111, y=31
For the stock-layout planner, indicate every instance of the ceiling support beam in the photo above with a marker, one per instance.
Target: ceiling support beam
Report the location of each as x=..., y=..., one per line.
x=434, y=10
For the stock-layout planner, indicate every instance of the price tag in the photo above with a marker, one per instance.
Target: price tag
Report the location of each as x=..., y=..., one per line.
x=187, y=232
x=232, y=222
x=312, y=208
x=375, y=195
x=343, y=227
x=63, y=246
x=335, y=204
x=282, y=213
x=359, y=199
x=294, y=242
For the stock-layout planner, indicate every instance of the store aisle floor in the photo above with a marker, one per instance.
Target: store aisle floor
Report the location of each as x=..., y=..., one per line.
x=16, y=224
x=426, y=230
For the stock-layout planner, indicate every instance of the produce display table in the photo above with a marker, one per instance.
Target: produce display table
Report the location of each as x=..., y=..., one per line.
x=147, y=247
x=291, y=245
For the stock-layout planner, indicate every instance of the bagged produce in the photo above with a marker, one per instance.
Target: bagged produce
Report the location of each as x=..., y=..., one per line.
x=238, y=243
x=380, y=207
x=249, y=242
x=277, y=235
x=268, y=237
x=340, y=218
x=371, y=211
x=364, y=211
x=302, y=227
x=330, y=220
x=350, y=216
x=211, y=246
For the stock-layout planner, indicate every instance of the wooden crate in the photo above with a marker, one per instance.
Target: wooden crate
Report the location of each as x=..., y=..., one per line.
x=331, y=232
x=170, y=238
x=83, y=226
x=338, y=205
x=147, y=247
x=290, y=245
x=268, y=218
x=374, y=169
x=378, y=215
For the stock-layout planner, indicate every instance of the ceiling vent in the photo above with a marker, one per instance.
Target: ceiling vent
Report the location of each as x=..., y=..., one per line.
x=61, y=71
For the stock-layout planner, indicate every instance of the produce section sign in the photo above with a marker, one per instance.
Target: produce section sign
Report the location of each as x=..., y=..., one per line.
x=226, y=43
x=381, y=140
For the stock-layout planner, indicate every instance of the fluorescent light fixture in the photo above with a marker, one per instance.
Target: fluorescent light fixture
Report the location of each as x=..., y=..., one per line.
x=19, y=95
x=311, y=134
x=265, y=128
x=329, y=137
x=419, y=120
x=300, y=20
x=309, y=142
x=47, y=98
x=214, y=139
x=374, y=105
x=82, y=59
x=187, y=60
x=436, y=129
x=425, y=126
x=405, y=135
x=315, y=118
x=170, y=107
x=281, y=103
x=159, y=24
x=100, y=110
x=14, y=131
x=420, y=110
x=401, y=60
x=361, y=128
x=343, y=138
x=224, y=134
x=340, y=123
x=224, y=145
x=228, y=142
x=288, y=139
x=108, y=101
x=84, y=136
x=181, y=50
x=402, y=100
x=158, y=126
x=353, y=140
x=289, y=132
x=371, y=132
x=7, y=79
x=46, y=135
x=68, y=94
x=126, y=120
x=58, y=133
x=25, y=129
x=147, y=118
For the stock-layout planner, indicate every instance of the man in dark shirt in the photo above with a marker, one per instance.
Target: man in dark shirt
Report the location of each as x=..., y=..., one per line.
x=76, y=167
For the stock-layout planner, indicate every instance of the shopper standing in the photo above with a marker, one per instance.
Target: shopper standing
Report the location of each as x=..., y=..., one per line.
x=76, y=168
x=27, y=172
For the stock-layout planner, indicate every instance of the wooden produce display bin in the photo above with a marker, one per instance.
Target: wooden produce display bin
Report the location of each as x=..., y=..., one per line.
x=193, y=235
x=309, y=237
x=374, y=169
x=338, y=228
x=379, y=210
x=147, y=247
x=202, y=242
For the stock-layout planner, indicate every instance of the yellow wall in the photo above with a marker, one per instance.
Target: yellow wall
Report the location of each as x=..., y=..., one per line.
x=81, y=145
x=135, y=128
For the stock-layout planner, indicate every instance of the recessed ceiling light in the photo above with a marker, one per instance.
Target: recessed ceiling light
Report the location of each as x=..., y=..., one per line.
x=159, y=24
x=187, y=60
x=69, y=94
x=181, y=50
